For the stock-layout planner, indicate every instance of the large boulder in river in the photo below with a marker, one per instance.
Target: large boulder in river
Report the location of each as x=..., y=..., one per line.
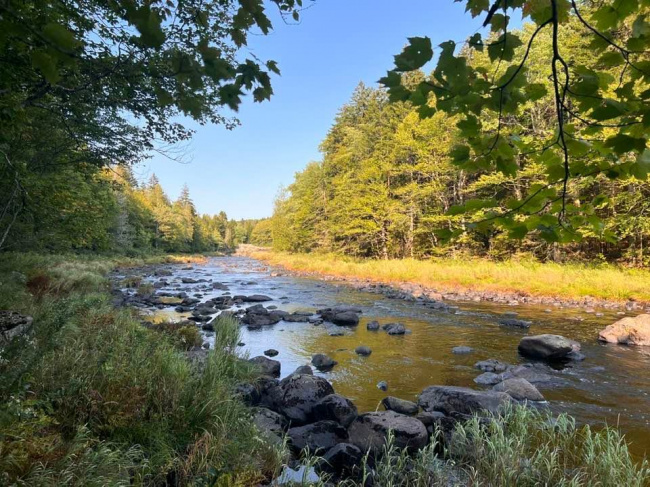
x=317, y=437
x=341, y=316
x=267, y=366
x=547, y=347
x=463, y=400
x=628, y=331
x=300, y=393
x=336, y=408
x=519, y=389
x=400, y=406
x=370, y=431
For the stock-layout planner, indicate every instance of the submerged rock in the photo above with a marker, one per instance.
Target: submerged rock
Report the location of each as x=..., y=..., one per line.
x=462, y=350
x=450, y=399
x=492, y=365
x=547, y=347
x=513, y=322
x=628, y=331
x=370, y=431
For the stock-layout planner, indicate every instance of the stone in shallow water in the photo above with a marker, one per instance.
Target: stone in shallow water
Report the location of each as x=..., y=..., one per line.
x=382, y=385
x=492, y=365
x=363, y=350
x=323, y=362
x=547, y=347
x=462, y=350
x=267, y=366
x=463, y=400
x=519, y=389
x=488, y=379
x=400, y=406
x=372, y=326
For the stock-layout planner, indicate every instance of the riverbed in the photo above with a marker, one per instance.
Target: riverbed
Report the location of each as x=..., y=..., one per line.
x=611, y=386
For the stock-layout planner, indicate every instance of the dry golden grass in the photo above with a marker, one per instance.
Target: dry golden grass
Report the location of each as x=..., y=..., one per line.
x=568, y=281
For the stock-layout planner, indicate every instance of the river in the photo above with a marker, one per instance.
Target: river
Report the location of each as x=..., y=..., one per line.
x=611, y=386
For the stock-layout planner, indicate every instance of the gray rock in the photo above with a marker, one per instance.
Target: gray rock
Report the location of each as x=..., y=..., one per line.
x=488, y=379
x=394, y=329
x=269, y=421
x=300, y=393
x=347, y=318
x=323, y=362
x=303, y=369
x=342, y=459
x=363, y=350
x=492, y=365
x=267, y=366
x=400, y=406
x=547, y=347
x=335, y=408
x=462, y=350
x=450, y=399
x=271, y=352
x=372, y=326
x=317, y=437
x=382, y=385
x=370, y=430
x=519, y=389
x=256, y=298
x=515, y=323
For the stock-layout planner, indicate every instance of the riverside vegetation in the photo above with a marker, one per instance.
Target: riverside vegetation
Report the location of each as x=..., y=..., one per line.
x=529, y=141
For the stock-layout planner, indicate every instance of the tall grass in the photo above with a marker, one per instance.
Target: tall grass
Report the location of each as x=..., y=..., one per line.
x=571, y=281
x=91, y=397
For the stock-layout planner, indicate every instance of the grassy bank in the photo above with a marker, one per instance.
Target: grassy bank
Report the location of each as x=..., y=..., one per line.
x=564, y=281
x=91, y=397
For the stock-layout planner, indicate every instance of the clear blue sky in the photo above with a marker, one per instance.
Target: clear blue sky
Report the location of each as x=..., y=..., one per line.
x=338, y=44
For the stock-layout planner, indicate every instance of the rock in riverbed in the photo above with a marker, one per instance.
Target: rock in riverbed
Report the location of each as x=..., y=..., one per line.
x=363, y=350
x=323, y=362
x=300, y=394
x=450, y=399
x=400, y=406
x=336, y=408
x=628, y=331
x=267, y=366
x=519, y=389
x=547, y=347
x=372, y=326
x=317, y=437
x=370, y=430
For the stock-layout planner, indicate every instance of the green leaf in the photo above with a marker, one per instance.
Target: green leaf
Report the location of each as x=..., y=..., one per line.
x=46, y=65
x=60, y=36
x=415, y=55
x=622, y=143
x=459, y=154
x=504, y=47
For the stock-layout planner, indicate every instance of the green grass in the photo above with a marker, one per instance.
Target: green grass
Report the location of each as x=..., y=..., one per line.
x=567, y=281
x=91, y=397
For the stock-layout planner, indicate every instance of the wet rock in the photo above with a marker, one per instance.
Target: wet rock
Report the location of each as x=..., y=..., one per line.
x=628, y=331
x=535, y=374
x=267, y=366
x=400, y=406
x=515, y=323
x=341, y=315
x=372, y=326
x=342, y=459
x=547, y=347
x=300, y=393
x=363, y=350
x=337, y=408
x=297, y=318
x=519, y=389
x=492, y=365
x=270, y=421
x=256, y=298
x=488, y=379
x=382, y=385
x=323, y=362
x=462, y=350
x=279, y=313
x=450, y=399
x=303, y=369
x=394, y=329
x=13, y=324
x=271, y=352
x=260, y=319
x=370, y=431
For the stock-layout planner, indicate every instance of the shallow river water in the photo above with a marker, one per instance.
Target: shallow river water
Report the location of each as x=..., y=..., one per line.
x=611, y=386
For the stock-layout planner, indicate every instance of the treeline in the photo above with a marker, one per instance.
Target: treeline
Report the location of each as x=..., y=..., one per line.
x=107, y=210
x=387, y=186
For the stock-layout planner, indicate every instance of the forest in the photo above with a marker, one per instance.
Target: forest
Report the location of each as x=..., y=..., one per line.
x=388, y=185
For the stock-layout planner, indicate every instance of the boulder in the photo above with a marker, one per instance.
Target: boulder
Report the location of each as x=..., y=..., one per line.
x=267, y=366
x=297, y=317
x=400, y=406
x=450, y=399
x=270, y=393
x=323, y=362
x=337, y=408
x=370, y=431
x=248, y=393
x=271, y=352
x=382, y=385
x=372, y=326
x=515, y=323
x=341, y=315
x=317, y=437
x=300, y=393
x=488, y=379
x=535, y=373
x=342, y=459
x=270, y=421
x=547, y=347
x=394, y=329
x=363, y=350
x=628, y=331
x=519, y=389
x=260, y=318
x=303, y=369
x=13, y=324
x=462, y=350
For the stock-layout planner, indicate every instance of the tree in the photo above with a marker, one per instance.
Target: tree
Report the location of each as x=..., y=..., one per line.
x=599, y=101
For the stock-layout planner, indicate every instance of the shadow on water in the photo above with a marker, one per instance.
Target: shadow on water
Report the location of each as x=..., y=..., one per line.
x=611, y=386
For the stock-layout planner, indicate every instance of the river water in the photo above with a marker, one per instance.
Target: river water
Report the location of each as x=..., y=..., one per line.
x=611, y=386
